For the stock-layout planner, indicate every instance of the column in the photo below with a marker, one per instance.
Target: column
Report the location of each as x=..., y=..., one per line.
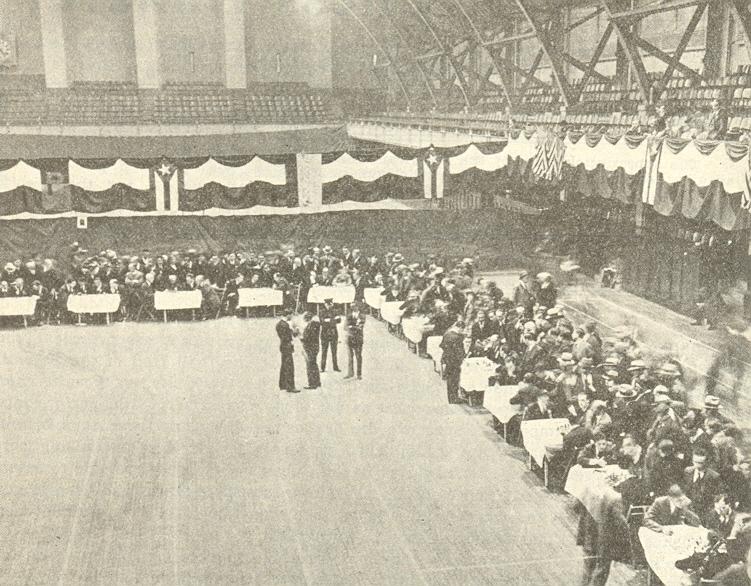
x=235, y=72
x=309, y=181
x=147, y=43
x=715, y=51
x=53, y=43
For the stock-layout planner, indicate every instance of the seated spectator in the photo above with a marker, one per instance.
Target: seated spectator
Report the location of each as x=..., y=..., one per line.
x=597, y=419
x=540, y=409
x=671, y=509
x=599, y=453
x=662, y=468
x=701, y=483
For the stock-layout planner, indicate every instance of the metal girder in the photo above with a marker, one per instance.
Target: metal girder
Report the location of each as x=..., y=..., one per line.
x=665, y=57
x=552, y=52
x=595, y=57
x=447, y=50
x=532, y=71
x=741, y=15
x=632, y=52
x=529, y=77
x=583, y=67
x=685, y=39
x=583, y=19
x=639, y=13
x=496, y=62
x=380, y=47
x=511, y=39
x=390, y=17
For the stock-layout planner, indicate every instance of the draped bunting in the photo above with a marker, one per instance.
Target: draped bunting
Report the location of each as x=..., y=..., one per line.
x=214, y=172
x=611, y=155
x=387, y=186
x=601, y=182
x=103, y=179
x=20, y=175
x=368, y=171
x=474, y=158
x=703, y=164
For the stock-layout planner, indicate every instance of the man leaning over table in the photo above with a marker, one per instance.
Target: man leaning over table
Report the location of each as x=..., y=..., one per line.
x=672, y=509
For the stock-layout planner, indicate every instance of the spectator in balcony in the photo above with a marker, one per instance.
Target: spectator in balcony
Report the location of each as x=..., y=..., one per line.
x=717, y=122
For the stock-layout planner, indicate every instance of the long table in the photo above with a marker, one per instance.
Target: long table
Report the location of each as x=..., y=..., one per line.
x=391, y=313
x=589, y=486
x=542, y=436
x=260, y=297
x=662, y=551
x=105, y=303
x=415, y=328
x=165, y=301
x=497, y=402
x=18, y=307
x=340, y=295
x=373, y=297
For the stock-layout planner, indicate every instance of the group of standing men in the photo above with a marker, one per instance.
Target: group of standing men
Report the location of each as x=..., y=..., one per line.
x=320, y=333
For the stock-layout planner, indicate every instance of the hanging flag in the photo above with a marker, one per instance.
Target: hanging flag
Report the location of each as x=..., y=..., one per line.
x=548, y=160
x=165, y=185
x=434, y=169
x=651, y=169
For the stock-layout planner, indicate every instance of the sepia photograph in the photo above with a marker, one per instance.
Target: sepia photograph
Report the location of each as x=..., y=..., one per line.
x=375, y=292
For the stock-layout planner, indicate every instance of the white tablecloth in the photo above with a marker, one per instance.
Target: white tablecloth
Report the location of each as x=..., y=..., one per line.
x=415, y=328
x=104, y=303
x=317, y=294
x=496, y=401
x=391, y=313
x=13, y=306
x=589, y=487
x=434, y=348
x=540, y=434
x=662, y=551
x=261, y=297
x=168, y=300
x=475, y=373
x=373, y=297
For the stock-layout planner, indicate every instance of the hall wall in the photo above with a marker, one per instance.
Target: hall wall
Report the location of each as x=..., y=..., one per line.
x=21, y=18
x=99, y=40
x=298, y=31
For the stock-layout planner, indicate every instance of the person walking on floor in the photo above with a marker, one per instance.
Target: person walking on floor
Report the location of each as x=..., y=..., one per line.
x=329, y=333
x=286, y=334
x=355, y=327
x=453, y=356
x=311, y=336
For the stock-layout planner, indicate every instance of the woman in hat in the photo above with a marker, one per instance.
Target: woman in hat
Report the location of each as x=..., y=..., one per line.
x=567, y=382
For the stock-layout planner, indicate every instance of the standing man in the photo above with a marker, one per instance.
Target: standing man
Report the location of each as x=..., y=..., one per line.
x=329, y=333
x=453, y=356
x=311, y=336
x=287, y=371
x=355, y=337
x=524, y=294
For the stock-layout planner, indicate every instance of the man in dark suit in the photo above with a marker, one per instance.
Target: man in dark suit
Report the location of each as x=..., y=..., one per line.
x=598, y=454
x=287, y=371
x=662, y=468
x=355, y=338
x=721, y=517
x=672, y=509
x=540, y=409
x=701, y=483
x=524, y=294
x=329, y=333
x=232, y=293
x=452, y=345
x=311, y=337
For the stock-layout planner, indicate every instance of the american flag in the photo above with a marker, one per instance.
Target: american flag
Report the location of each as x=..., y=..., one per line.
x=548, y=161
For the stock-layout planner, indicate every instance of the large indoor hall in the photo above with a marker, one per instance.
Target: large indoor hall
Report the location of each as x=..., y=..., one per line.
x=166, y=454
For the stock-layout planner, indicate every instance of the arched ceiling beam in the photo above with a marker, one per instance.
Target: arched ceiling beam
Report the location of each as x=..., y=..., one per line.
x=553, y=53
x=381, y=48
x=481, y=42
x=390, y=17
x=446, y=50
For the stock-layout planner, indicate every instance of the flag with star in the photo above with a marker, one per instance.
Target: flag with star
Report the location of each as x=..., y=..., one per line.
x=164, y=178
x=433, y=168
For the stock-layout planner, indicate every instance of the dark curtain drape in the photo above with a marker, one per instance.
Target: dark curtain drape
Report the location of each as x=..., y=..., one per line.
x=387, y=186
x=600, y=182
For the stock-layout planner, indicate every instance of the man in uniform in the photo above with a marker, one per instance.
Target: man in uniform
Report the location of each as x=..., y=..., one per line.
x=329, y=333
x=287, y=371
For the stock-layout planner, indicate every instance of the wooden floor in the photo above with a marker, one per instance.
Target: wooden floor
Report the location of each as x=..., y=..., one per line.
x=164, y=454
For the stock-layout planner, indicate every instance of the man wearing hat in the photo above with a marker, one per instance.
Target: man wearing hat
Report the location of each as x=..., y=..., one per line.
x=662, y=468
x=452, y=345
x=712, y=406
x=329, y=333
x=287, y=370
x=311, y=337
x=355, y=331
x=540, y=409
x=524, y=294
